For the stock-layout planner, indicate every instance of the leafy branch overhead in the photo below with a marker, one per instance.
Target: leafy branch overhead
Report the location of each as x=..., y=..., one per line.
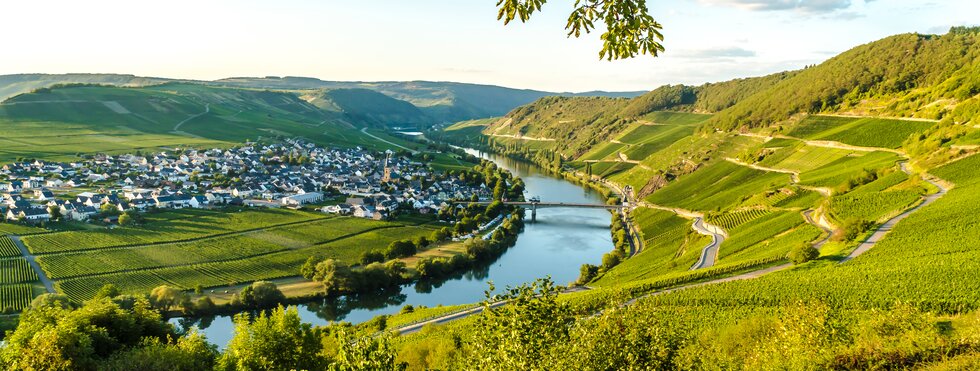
x=630, y=29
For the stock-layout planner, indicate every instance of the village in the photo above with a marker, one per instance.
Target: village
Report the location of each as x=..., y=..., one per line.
x=292, y=174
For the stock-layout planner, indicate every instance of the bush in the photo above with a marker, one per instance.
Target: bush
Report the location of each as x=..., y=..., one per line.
x=803, y=253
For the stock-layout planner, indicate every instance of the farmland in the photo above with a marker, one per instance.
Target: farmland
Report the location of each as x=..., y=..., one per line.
x=225, y=257
x=716, y=186
x=865, y=132
x=15, y=297
x=7, y=247
x=166, y=227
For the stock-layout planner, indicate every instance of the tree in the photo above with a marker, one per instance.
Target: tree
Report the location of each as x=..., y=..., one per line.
x=610, y=260
x=336, y=277
x=365, y=353
x=803, y=253
x=55, y=212
x=108, y=291
x=266, y=294
x=369, y=257
x=278, y=340
x=51, y=300
x=308, y=270
x=516, y=336
x=125, y=219
x=165, y=297
x=191, y=352
x=587, y=273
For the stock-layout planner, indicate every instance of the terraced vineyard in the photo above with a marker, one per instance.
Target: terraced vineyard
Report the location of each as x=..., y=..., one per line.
x=7, y=247
x=15, y=297
x=669, y=246
x=16, y=271
x=753, y=233
x=871, y=206
x=716, y=186
x=865, y=132
x=729, y=220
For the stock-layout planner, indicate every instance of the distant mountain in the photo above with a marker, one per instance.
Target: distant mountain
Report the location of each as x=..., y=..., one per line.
x=444, y=101
x=370, y=107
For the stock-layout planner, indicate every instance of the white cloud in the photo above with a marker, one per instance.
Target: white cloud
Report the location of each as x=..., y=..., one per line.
x=807, y=6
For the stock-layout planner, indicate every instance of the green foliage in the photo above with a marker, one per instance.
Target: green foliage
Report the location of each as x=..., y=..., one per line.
x=277, y=340
x=630, y=29
x=55, y=338
x=803, y=253
x=516, y=336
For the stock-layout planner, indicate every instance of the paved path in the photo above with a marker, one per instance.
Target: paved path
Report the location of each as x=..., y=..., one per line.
x=43, y=277
x=365, y=132
x=710, y=253
x=886, y=227
x=207, y=109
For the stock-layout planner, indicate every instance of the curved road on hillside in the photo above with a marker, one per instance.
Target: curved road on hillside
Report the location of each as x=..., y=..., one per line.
x=207, y=109
x=365, y=132
x=43, y=277
x=710, y=253
x=888, y=225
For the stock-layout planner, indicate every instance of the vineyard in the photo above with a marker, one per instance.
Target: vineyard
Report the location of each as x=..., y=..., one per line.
x=732, y=219
x=7, y=247
x=718, y=185
x=273, y=253
x=871, y=206
x=166, y=227
x=668, y=246
x=15, y=297
x=946, y=258
x=866, y=132
x=839, y=171
x=16, y=270
x=753, y=233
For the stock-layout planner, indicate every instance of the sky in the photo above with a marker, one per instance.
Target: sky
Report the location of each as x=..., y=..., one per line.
x=445, y=40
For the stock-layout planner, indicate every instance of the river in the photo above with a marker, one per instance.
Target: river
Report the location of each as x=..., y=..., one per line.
x=556, y=245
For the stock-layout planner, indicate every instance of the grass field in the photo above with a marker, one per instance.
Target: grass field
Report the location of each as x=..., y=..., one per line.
x=59, y=123
x=839, y=171
x=866, y=132
x=676, y=118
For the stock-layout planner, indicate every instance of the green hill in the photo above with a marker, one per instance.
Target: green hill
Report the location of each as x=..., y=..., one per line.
x=63, y=121
x=11, y=85
x=371, y=107
x=444, y=101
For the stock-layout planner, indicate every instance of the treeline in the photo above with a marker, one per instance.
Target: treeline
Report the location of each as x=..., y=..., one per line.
x=477, y=251
x=620, y=252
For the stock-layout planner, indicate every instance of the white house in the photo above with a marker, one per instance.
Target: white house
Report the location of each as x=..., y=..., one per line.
x=302, y=199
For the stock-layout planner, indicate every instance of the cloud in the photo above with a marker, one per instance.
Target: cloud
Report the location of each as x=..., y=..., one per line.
x=733, y=52
x=806, y=6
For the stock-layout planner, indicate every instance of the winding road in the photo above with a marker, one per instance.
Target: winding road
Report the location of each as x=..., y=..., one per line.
x=710, y=253
x=888, y=225
x=43, y=277
x=207, y=109
x=365, y=132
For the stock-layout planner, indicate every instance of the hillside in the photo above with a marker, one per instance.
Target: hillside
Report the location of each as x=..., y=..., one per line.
x=60, y=122
x=370, y=107
x=444, y=101
x=11, y=85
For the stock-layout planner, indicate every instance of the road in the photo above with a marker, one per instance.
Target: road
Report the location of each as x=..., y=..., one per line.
x=43, y=277
x=887, y=226
x=710, y=253
x=207, y=109
x=365, y=132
